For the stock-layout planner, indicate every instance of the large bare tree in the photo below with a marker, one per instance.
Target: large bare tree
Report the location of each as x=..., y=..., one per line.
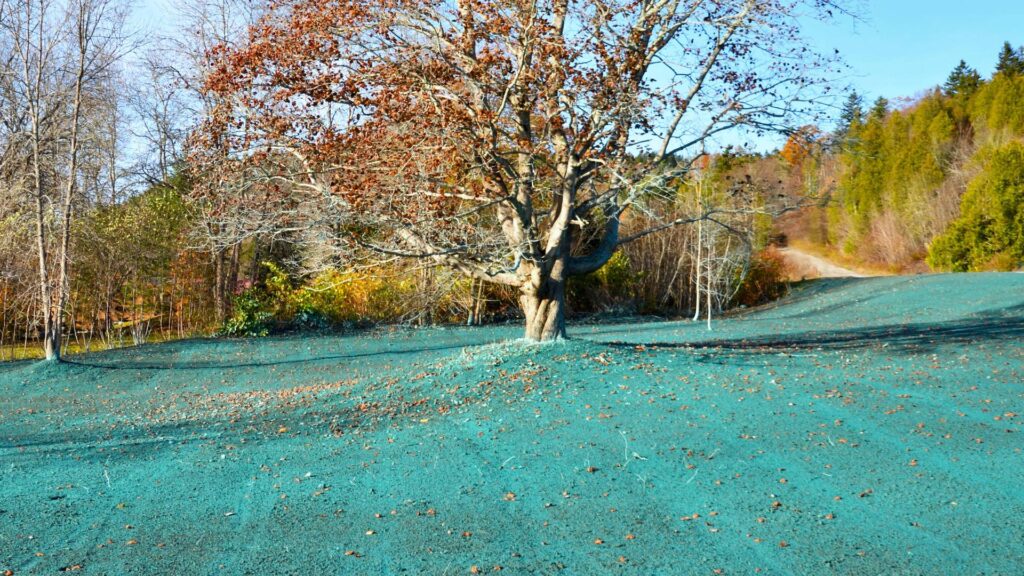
x=504, y=139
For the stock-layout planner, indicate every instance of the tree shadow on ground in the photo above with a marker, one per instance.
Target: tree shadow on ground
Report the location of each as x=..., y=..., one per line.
x=1005, y=325
x=14, y=365
x=845, y=304
x=808, y=291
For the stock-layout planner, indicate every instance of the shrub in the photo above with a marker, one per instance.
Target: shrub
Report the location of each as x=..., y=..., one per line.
x=306, y=318
x=991, y=223
x=251, y=316
x=608, y=288
x=339, y=297
x=1001, y=262
x=765, y=280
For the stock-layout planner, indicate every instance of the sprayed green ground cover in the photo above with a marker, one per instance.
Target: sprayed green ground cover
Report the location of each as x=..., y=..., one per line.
x=860, y=427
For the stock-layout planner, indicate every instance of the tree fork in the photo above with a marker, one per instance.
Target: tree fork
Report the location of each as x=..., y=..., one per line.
x=543, y=302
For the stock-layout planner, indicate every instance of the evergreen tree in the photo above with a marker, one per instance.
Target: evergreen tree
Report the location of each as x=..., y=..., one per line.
x=989, y=234
x=852, y=115
x=879, y=109
x=1011, y=62
x=962, y=81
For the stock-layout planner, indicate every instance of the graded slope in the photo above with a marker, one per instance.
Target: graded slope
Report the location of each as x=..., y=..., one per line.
x=861, y=426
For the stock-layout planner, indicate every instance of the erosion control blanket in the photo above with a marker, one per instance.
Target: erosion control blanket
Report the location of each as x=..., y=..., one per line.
x=861, y=426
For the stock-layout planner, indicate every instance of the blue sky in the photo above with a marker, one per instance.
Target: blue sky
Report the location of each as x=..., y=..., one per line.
x=903, y=47
x=899, y=48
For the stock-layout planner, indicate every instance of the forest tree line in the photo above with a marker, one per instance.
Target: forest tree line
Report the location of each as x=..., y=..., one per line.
x=114, y=231
x=934, y=183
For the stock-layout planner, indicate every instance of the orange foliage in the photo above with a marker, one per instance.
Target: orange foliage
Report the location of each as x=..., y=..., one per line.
x=800, y=146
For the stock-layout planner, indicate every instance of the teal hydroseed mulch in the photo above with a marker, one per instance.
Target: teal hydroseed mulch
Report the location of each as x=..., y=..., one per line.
x=860, y=427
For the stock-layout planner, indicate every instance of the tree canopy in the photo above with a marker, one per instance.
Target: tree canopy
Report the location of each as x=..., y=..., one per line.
x=1011, y=61
x=496, y=138
x=962, y=81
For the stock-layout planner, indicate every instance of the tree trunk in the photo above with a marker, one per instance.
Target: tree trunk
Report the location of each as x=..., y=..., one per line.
x=707, y=273
x=544, y=306
x=46, y=299
x=254, y=266
x=219, y=301
x=232, y=283
x=471, y=319
x=697, y=272
x=478, y=305
x=51, y=342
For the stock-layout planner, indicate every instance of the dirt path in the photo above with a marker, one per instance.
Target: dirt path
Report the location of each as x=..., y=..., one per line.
x=806, y=266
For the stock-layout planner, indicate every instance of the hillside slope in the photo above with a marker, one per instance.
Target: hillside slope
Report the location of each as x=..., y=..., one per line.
x=862, y=426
